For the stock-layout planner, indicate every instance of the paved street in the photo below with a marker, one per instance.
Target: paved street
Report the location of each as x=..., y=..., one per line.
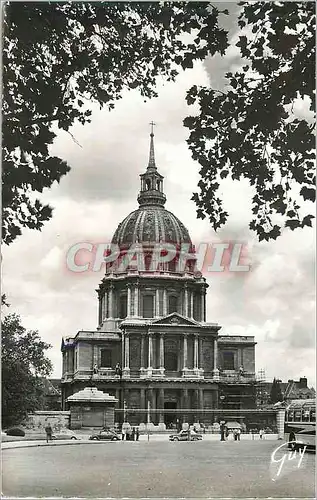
x=157, y=469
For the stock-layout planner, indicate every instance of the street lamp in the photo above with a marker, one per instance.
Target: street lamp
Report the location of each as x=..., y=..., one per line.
x=118, y=372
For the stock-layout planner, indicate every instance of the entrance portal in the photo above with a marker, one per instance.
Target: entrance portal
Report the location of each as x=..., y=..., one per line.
x=170, y=418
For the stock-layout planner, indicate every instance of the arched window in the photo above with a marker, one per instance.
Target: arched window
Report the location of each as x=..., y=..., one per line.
x=148, y=184
x=172, y=304
x=148, y=306
x=123, y=306
x=158, y=185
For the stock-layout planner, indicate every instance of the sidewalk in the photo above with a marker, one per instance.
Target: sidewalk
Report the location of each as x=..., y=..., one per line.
x=84, y=439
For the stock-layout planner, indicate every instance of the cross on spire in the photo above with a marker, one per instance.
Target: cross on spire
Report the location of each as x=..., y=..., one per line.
x=151, y=156
x=152, y=125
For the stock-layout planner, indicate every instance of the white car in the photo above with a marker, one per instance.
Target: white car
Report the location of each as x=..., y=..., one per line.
x=183, y=436
x=64, y=434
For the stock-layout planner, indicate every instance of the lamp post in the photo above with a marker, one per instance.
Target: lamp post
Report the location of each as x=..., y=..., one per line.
x=118, y=372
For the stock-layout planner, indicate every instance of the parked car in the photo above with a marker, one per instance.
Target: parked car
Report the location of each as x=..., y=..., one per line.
x=183, y=436
x=64, y=434
x=107, y=435
x=15, y=431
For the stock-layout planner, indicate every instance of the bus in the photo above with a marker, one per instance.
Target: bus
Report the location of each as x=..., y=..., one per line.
x=300, y=423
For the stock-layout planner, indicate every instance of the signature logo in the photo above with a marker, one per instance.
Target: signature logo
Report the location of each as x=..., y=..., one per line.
x=286, y=457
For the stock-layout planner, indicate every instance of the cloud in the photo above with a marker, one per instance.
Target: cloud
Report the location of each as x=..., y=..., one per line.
x=274, y=301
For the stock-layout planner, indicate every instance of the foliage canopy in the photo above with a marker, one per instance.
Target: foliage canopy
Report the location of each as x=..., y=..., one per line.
x=249, y=130
x=24, y=363
x=58, y=58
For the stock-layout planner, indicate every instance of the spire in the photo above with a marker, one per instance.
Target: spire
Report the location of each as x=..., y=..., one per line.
x=151, y=164
x=151, y=193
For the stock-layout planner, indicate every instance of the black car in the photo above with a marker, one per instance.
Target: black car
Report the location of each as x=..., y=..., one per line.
x=105, y=435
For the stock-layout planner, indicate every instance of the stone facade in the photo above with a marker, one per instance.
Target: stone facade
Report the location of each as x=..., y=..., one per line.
x=153, y=348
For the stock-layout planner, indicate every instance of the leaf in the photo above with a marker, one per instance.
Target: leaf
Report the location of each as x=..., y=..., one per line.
x=292, y=224
x=307, y=220
x=308, y=193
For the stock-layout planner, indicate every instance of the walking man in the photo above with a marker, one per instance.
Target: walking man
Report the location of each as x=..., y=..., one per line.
x=48, y=430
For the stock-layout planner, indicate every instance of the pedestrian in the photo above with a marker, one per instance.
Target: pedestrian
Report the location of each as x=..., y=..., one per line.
x=261, y=433
x=133, y=434
x=235, y=434
x=238, y=434
x=48, y=430
x=137, y=434
x=222, y=431
x=129, y=434
x=123, y=432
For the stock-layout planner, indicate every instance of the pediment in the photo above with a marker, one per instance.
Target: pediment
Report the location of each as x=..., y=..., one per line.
x=176, y=320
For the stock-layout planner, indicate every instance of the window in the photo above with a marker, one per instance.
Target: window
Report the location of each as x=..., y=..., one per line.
x=172, y=266
x=197, y=308
x=148, y=306
x=228, y=360
x=297, y=415
x=171, y=361
x=290, y=416
x=172, y=304
x=313, y=415
x=148, y=184
x=123, y=306
x=305, y=415
x=105, y=358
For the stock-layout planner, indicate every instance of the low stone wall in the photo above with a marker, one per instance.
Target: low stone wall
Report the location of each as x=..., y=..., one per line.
x=37, y=421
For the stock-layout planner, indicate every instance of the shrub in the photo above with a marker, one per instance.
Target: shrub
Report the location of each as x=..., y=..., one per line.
x=15, y=431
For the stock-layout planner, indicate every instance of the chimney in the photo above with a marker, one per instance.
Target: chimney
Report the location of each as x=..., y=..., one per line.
x=303, y=383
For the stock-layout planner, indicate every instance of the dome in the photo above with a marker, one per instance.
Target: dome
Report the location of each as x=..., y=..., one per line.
x=151, y=224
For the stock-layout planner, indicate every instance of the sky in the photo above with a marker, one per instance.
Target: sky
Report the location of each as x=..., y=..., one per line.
x=274, y=301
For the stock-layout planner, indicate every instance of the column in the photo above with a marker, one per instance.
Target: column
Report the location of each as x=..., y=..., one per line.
x=111, y=301
x=95, y=355
x=104, y=309
x=215, y=371
x=136, y=300
x=142, y=352
x=186, y=301
x=150, y=351
x=203, y=318
x=201, y=356
x=184, y=351
x=157, y=303
x=162, y=353
x=122, y=349
x=142, y=399
x=100, y=316
x=191, y=304
x=129, y=302
x=149, y=404
x=164, y=302
x=153, y=400
x=142, y=405
x=127, y=352
x=161, y=405
x=201, y=399
x=185, y=405
x=126, y=355
x=215, y=353
x=196, y=352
